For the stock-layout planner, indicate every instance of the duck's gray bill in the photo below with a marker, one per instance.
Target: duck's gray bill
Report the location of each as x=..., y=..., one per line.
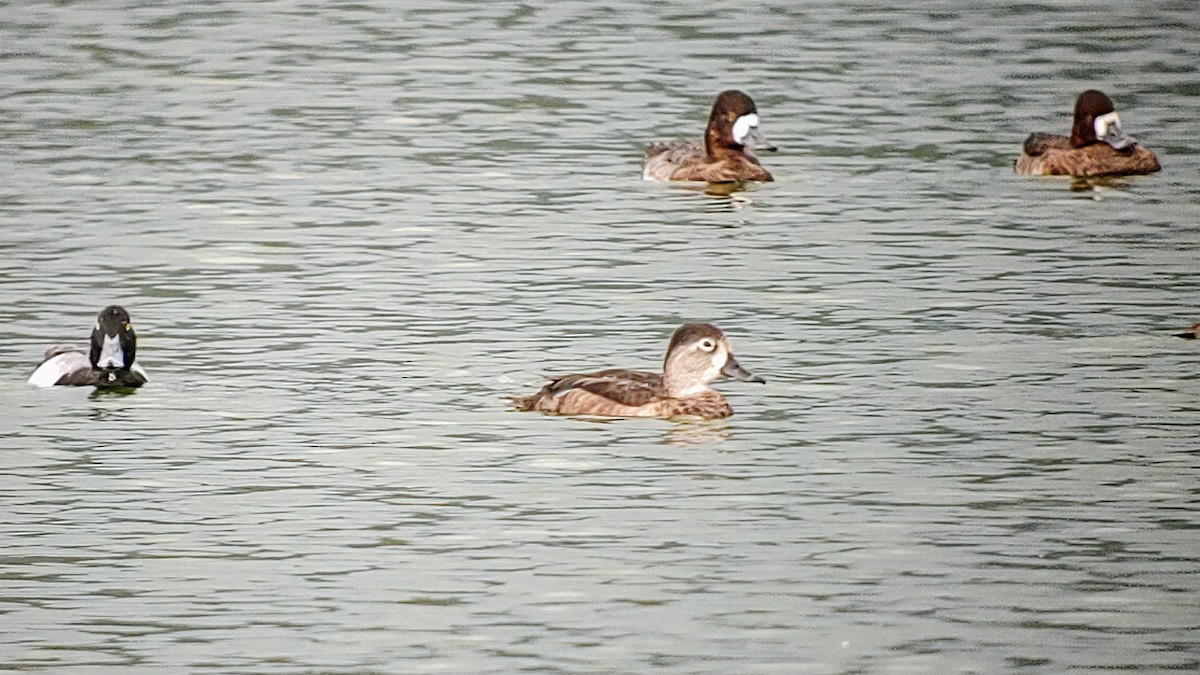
x=735, y=370
x=760, y=142
x=1117, y=138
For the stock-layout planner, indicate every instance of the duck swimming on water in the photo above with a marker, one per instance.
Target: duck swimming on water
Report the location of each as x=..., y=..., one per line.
x=727, y=153
x=1097, y=145
x=698, y=354
x=108, y=364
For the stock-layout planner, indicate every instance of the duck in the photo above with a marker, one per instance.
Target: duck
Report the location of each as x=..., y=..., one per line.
x=697, y=355
x=723, y=157
x=1097, y=146
x=109, y=363
x=1192, y=333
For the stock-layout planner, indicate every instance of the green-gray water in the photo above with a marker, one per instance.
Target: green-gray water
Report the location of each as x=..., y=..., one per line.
x=346, y=231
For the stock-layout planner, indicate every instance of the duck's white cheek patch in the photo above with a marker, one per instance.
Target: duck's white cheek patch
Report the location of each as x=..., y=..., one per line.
x=1103, y=122
x=742, y=127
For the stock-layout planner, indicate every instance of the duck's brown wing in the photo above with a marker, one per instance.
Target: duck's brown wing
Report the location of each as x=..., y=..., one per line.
x=664, y=159
x=1104, y=160
x=605, y=392
x=1038, y=143
x=1099, y=159
x=688, y=161
x=626, y=387
x=674, y=149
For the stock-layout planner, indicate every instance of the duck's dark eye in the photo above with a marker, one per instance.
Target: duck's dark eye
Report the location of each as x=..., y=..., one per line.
x=707, y=345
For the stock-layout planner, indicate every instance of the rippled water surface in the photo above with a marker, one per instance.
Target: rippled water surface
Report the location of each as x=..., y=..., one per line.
x=346, y=231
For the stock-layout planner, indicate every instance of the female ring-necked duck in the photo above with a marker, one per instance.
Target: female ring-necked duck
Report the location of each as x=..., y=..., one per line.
x=109, y=363
x=1192, y=333
x=1097, y=145
x=724, y=156
x=699, y=353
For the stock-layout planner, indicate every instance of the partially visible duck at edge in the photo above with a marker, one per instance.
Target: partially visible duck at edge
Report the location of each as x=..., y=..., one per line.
x=1097, y=145
x=699, y=353
x=1192, y=333
x=724, y=157
x=109, y=363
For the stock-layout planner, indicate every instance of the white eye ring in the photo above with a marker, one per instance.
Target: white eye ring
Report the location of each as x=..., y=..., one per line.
x=707, y=344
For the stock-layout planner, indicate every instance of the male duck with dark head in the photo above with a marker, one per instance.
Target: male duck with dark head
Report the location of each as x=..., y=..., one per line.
x=109, y=363
x=1097, y=145
x=724, y=157
x=699, y=353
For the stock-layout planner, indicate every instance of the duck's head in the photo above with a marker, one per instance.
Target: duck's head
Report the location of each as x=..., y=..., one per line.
x=733, y=123
x=1096, y=121
x=114, y=344
x=699, y=353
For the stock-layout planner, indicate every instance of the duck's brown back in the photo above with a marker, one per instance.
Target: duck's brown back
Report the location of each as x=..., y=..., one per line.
x=620, y=393
x=1052, y=155
x=688, y=161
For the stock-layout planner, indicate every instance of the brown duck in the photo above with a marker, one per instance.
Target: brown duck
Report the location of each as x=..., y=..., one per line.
x=699, y=353
x=1097, y=145
x=724, y=157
